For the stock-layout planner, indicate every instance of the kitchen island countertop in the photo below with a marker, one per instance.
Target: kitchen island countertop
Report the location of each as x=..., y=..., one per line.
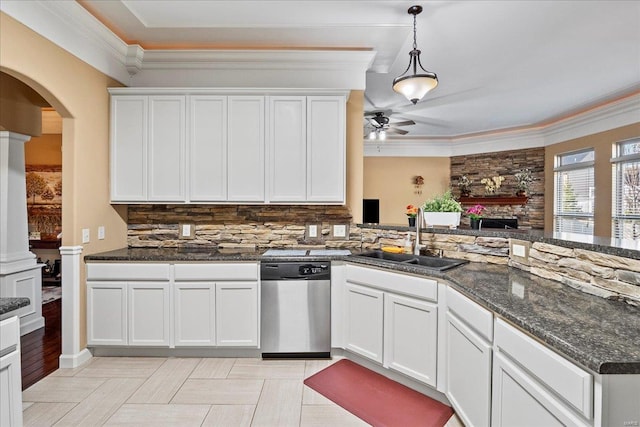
x=599, y=334
x=10, y=304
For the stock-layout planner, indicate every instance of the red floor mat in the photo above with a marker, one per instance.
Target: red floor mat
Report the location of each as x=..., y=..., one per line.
x=376, y=399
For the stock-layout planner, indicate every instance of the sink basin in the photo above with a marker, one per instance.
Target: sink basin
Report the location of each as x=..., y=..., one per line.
x=431, y=262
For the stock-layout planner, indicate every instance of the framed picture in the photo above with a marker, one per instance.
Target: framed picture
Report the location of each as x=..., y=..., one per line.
x=44, y=200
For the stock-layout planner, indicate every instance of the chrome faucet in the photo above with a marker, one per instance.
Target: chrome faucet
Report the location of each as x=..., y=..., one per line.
x=417, y=247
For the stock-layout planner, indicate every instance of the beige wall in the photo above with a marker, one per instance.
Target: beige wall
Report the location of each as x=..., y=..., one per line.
x=44, y=150
x=390, y=179
x=79, y=94
x=355, y=153
x=602, y=144
x=19, y=107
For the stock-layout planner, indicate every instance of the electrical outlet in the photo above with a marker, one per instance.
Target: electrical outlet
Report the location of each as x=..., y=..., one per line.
x=518, y=250
x=85, y=235
x=339, y=231
x=187, y=231
x=312, y=231
x=101, y=232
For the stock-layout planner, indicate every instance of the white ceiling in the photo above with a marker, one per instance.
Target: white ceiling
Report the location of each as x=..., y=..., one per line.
x=501, y=64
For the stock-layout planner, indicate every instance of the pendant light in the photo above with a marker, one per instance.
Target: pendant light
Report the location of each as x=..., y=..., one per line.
x=414, y=86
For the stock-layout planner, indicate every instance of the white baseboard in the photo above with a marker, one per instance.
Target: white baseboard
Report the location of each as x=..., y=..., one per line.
x=74, y=360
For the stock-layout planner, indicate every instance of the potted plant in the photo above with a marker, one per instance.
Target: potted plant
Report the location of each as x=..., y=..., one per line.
x=491, y=185
x=523, y=180
x=442, y=210
x=411, y=212
x=475, y=215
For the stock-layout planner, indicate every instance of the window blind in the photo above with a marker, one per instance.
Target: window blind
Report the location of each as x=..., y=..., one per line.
x=625, y=221
x=574, y=187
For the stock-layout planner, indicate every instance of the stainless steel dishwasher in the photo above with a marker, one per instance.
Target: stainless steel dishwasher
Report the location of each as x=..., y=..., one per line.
x=295, y=309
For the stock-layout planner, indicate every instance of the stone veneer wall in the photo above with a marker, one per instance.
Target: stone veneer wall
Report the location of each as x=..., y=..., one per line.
x=505, y=163
x=268, y=226
x=607, y=276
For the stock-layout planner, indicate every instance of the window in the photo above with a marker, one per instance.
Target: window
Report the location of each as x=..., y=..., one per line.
x=574, y=192
x=625, y=221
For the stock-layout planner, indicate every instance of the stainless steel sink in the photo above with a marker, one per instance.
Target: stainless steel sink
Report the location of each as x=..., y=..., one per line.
x=431, y=262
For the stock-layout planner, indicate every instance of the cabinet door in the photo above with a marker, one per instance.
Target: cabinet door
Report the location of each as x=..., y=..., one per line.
x=237, y=314
x=519, y=400
x=363, y=321
x=468, y=373
x=410, y=337
x=128, y=148
x=287, y=148
x=194, y=314
x=10, y=373
x=149, y=312
x=166, y=158
x=106, y=313
x=208, y=148
x=245, y=149
x=326, y=149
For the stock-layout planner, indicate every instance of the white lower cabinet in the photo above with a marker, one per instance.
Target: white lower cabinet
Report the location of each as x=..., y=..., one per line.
x=237, y=314
x=468, y=332
x=364, y=321
x=149, y=314
x=10, y=373
x=195, y=319
x=398, y=331
x=534, y=386
x=204, y=304
x=107, y=313
x=410, y=337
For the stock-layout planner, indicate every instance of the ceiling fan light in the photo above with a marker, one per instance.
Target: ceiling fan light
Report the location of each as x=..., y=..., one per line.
x=372, y=134
x=383, y=135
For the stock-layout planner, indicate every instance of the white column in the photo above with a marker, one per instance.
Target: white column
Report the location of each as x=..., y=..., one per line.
x=14, y=233
x=72, y=355
x=20, y=274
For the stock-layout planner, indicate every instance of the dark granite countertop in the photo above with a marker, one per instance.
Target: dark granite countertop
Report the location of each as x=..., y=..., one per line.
x=599, y=334
x=10, y=304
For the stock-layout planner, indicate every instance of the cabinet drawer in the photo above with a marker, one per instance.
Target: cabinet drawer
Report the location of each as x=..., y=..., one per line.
x=9, y=334
x=127, y=271
x=214, y=271
x=398, y=283
x=558, y=374
x=476, y=317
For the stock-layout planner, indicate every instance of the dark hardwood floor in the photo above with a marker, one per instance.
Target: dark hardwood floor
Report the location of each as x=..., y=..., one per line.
x=41, y=348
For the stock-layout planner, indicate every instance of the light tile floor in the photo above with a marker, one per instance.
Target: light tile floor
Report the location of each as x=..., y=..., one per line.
x=141, y=391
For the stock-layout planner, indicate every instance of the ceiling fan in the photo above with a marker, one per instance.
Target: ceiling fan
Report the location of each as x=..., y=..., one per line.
x=379, y=124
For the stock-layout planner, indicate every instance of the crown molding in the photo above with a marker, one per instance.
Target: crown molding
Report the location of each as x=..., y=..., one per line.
x=622, y=112
x=70, y=26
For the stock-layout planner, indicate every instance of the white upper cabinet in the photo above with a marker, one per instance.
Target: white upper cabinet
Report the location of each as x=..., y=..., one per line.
x=129, y=119
x=166, y=153
x=204, y=146
x=208, y=148
x=287, y=149
x=326, y=176
x=245, y=149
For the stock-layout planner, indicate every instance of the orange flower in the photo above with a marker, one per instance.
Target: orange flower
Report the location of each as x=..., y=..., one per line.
x=412, y=211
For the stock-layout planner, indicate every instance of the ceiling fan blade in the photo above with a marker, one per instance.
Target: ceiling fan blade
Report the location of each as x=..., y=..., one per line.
x=397, y=131
x=404, y=123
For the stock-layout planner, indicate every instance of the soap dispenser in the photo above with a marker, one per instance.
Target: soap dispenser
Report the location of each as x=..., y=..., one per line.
x=408, y=245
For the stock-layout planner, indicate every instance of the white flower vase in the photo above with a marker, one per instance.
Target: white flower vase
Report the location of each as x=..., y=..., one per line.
x=448, y=219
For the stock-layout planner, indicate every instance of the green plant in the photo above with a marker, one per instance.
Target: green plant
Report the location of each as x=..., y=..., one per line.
x=443, y=203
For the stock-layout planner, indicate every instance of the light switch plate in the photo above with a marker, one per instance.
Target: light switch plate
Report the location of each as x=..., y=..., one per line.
x=314, y=231
x=187, y=230
x=339, y=231
x=86, y=237
x=101, y=232
x=519, y=250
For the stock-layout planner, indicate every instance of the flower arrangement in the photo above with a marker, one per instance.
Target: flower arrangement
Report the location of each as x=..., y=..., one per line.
x=411, y=211
x=523, y=180
x=475, y=212
x=464, y=184
x=491, y=185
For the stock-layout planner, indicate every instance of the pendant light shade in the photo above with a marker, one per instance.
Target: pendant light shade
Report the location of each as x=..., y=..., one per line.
x=415, y=82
